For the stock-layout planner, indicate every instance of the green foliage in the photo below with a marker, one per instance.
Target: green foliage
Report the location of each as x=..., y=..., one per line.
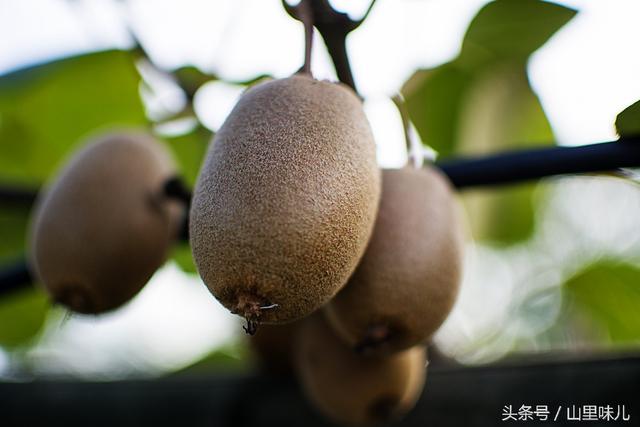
x=482, y=102
x=45, y=110
x=608, y=293
x=13, y=226
x=628, y=121
x=189, y=150
x=22, y=315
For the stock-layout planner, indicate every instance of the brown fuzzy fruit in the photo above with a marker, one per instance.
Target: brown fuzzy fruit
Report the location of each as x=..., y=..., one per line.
x=103, y=226
x=353, y=389
x=408, y=278
x=286, y=199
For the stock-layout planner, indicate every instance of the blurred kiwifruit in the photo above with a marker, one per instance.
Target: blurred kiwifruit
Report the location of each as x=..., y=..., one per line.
x=286, y=199
x=273, y=347
x=103, y=226
x=408, y=279
x=353, y=389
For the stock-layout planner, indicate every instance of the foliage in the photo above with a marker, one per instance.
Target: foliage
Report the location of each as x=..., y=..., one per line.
x=482, y=101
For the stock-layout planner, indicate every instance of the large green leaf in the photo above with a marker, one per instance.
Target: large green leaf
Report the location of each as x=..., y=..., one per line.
x=511, y=30
x=482, y=102
x=46, y=109
x=628, y=121
x=500, y=38
x=22, y=315
x=609, y=293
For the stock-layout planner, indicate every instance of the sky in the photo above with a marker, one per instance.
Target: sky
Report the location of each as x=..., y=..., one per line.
x=584, y=76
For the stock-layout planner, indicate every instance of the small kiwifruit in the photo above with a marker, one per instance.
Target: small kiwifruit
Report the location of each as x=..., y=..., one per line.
x=103, y=226
x=408, y=279
x=273, y=347
x=353, y=389
x=286, y=199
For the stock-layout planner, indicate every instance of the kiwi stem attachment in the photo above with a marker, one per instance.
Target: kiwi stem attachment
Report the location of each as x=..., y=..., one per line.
x=415, y=153
x=249, y=308
x=334, y=27
x=307, y=19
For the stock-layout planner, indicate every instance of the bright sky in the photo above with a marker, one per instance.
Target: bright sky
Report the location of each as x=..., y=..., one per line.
x=584, y=76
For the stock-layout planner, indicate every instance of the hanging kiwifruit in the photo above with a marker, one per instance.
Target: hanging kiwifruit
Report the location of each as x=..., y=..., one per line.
x=351, y=388
x=408, y=279
x=286, y=199
x=104, y=225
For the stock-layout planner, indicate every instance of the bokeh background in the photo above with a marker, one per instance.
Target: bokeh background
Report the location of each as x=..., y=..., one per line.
x=551, y=267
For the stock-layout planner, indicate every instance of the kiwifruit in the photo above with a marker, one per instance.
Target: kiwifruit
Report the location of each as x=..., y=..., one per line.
x=103, y=225
x=353, y=389
x=408, y=279
x=273, y=347
x=286, y=199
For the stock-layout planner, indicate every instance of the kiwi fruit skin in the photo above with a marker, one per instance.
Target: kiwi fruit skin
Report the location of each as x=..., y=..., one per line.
x=286, y=199
x=103, y=226
x=349, y=388
x=408, y=279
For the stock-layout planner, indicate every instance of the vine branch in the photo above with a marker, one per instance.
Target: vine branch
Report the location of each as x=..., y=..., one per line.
x=334, y=27
x=496, y=169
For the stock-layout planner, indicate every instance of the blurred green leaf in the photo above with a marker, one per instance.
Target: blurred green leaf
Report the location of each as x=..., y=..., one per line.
x=628, y=120
x=511, y=30
x=500, y=38
x=46, y=109
x=609, y=292
x=233, y=357
x=482, y=102
x=13, y=226
x=192, y=78
x=181, y=254
x=189, y=150
x=435, y=99
x=22, y=315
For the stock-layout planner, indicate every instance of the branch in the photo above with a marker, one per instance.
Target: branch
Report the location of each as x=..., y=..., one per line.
x=17, y=195
x=334, y=27
x=516, y=166
x=14, y=277
x=497, y=169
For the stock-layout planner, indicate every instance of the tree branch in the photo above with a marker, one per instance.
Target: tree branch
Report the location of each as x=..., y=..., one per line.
x=334, y=27
x=17, y=195
x=516, y=166
x=14, y=277
x=497, y=169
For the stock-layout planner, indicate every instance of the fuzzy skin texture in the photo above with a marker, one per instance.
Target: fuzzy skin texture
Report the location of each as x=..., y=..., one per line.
x=286, y=199
x=352, y=389
x=103, y=226
x=408, y=279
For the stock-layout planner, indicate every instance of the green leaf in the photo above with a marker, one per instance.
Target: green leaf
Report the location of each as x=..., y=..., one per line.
x=189, y=150
x=13, y=226
x=628, y=121
x=233, y=357
x=609, y=293
x=192, y=78
x=435, y=100
x=22, y=315
x=482, y=102
x=45, y=110
x=511, y=30
x=181, y=254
